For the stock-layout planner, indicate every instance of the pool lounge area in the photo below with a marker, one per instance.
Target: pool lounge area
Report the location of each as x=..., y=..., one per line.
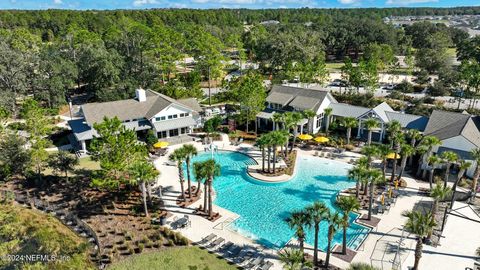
x=262, y=207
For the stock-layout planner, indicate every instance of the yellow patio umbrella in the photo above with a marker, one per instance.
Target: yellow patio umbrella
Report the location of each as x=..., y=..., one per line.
x=383, y=199
x=396, y=184
x=305, y=137
x=322, y=139
x=393, y=155
x=390, y=193
x=161, y=144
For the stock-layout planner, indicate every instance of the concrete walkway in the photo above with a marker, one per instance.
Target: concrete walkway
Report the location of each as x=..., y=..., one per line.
x=379, y=248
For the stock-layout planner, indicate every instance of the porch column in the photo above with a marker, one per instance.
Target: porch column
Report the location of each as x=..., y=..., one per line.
x=301, y=129
x=83, y=145
x=381, y=134
x=359, y=129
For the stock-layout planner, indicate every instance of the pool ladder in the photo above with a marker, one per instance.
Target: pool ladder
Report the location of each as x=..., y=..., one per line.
x=223, y=224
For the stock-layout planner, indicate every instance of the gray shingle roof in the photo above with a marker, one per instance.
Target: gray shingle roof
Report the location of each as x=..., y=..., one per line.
x=346, y=110
x=302, y=98
x=381, y=110
x=444, y=125
x=410, y=121
x=175, y=123
x=132, y=109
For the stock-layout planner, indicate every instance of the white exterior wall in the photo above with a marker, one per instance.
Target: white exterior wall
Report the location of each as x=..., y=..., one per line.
x=172, y=109
x=325, y=103
x=459, y=143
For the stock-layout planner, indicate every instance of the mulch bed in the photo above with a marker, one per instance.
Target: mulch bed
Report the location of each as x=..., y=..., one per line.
x=373, y=222
x=188, y=201
x=337, y=252
x=364, y=199
x=201, y=213
x=289, y=161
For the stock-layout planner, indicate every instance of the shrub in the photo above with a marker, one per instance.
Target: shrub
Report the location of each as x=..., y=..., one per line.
x=141, y=246
x=170, y=243
x=404, y=87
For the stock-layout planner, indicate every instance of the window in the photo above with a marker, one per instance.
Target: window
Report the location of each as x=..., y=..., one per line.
x=175, y=116
x=183, y=130
x=162, y=118
x=173, y=132
x=162, y=134
x=319, y=120
x=170, y=117
x=126, y=121
x=157, y=119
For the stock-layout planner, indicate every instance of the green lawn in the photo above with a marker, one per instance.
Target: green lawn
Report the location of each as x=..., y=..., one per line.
x=334, y=65
x=85, y=164
x=182, y=258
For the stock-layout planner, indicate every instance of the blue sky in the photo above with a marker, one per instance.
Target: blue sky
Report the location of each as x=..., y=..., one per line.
x=254, y=4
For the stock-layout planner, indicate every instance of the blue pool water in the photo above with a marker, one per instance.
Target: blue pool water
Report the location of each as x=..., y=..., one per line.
x=263, y=207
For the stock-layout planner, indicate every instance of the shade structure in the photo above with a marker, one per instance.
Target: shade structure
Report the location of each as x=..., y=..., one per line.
x=393, y=155
x=322, y=139
x=161, y=144
x=305, y=137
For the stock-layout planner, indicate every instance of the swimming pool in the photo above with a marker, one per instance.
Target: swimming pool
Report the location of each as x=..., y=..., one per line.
x=263, y=207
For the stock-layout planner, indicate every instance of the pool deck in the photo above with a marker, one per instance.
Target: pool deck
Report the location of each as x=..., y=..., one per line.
x=387, y=231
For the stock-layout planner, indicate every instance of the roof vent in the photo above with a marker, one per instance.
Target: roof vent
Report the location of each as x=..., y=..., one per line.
x=140, y=95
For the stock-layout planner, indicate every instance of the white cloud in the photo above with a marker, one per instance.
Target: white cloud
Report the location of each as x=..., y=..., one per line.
x=57, y=2
x=144, y=2
x=350, y=2
x=408, y=2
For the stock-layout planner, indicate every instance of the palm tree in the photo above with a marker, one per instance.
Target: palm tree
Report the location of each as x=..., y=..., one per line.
x=406, y=151
x=357, y=173
x=476, y=156
x=374, y=176
x=414, y=136
x=262, y=142
x=370, y=125
x=200, y=176
x=383, y=152
x=179, y=156
x=335, y=221
x=347, y=204
x=433, y=161
x=277, y=138
x=462, y=166
x=291, y=122
x=396, y=137
x=143, y=172
x=428, y=142
x=210, y=169
x=438, y=193
x=349, y=123
x=297, y=221
x=309, y=114
x=370, y=151
x=449, y=158
x=292, y=259
x=316, y=212
x=326, y=115
x=190, y=151
x=421, y=225
x=277, y=119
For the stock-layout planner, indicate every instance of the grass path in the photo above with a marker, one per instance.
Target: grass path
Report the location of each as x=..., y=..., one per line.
x=182, y=258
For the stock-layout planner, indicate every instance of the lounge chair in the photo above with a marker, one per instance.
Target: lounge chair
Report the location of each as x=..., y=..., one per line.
x=232, y=254
x=266, y=265
x=170, y=163
x=215, y=243
x=225, y=247
x=255, y=263
x=380, y=209
x=315, y=154
x=207, y=239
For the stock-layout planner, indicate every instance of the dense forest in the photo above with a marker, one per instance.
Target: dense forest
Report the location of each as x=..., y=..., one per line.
x=107, y=54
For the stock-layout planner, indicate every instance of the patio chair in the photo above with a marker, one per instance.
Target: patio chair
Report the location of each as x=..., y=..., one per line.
x=266, y=265
x=207, y=239
x=225, y=247
x=215, y=243
x=255, y=263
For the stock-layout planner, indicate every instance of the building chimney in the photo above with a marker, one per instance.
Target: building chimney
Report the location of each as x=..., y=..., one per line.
x=140, y=95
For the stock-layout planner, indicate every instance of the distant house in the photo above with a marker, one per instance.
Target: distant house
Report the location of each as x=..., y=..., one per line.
x=287, y=98
x=149, y=110
x=458, y=132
